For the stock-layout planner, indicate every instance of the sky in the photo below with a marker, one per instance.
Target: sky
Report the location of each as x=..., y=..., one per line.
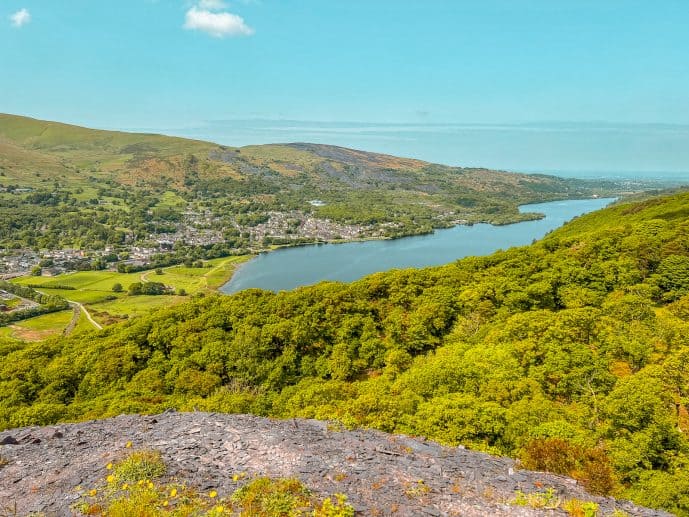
x=217, y=68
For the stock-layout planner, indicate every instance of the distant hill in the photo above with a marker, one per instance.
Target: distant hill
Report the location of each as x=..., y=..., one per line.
x=356, y=185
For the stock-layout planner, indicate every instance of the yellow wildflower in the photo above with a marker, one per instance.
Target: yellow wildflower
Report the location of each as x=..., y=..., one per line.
x=235, y=477
x=109, y=466
x=173, y=492
x=125, y=486
x=220, y=509
x=149, y=484
x=93, y=492
x=110, y=478
x=213, y=494
x=128, y=445
x=165, y=503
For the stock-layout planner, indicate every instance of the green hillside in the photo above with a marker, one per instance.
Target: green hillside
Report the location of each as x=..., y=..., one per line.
x=570, y=354
x=65, y=186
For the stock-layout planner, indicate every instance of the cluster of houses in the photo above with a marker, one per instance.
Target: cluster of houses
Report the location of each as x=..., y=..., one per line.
x=198, y=228
x=52, y=262
x=189, y=235
x=13, y=263
x=290, y=224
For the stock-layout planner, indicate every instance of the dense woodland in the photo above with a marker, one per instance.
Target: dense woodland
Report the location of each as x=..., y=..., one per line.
x=571, y=354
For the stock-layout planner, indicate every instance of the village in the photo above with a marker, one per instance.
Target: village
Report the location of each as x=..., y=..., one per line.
x=296, y=224
x=196, y=229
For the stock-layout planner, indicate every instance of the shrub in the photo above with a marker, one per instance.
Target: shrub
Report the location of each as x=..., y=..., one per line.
x=577, y=508
x=551, y=455
x=265, y=497
x=591, y=467
x=139, y=465
x=131, y=490
x=546, y=499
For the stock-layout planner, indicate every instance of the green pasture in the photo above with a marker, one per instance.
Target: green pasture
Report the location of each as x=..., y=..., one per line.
x=131, y=306
x=38, y=328
x=93, y=289
x=47, y=321
x=171, y=200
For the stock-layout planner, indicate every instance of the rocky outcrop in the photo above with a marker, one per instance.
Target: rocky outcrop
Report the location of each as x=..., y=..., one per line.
x=381, y=474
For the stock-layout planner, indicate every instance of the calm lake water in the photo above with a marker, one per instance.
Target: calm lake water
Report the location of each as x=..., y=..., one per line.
x=288, y=268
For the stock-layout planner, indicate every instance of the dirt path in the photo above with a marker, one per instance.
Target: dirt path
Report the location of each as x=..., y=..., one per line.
x=76, y=314
x=144, y=277
x=76, y=305
x=86, y=313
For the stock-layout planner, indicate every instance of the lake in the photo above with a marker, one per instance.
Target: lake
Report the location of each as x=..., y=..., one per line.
x=288, y=268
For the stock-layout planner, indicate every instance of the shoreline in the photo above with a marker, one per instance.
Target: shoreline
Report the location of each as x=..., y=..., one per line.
x=286, y=247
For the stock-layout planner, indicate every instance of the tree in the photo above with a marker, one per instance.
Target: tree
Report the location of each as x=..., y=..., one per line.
x=135, y=289
x=153, y=288
x=672, y=276
x=117, y=288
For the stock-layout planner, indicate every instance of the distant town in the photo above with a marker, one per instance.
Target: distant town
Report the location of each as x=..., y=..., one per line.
x=197, y=228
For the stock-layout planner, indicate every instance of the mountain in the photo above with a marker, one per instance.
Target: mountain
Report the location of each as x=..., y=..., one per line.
x=129, y=188
x=569, y=354
x=75, y=153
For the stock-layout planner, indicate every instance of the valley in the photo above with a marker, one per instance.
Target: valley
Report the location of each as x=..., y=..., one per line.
x=344, y=259
x=568, y=354
x=73, y=198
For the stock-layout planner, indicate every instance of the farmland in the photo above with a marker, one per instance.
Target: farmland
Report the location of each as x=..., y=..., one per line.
x=94, y=290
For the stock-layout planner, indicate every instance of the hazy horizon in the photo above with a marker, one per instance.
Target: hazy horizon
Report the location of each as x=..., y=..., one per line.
x=465, y=82
x=577, y=149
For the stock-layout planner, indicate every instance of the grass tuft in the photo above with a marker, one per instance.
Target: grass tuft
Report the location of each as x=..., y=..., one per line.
x=138, y=466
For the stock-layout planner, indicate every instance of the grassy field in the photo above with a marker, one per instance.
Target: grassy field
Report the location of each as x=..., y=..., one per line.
x=38, y=328
x=97, y=281
x=171, y=200
x=93, y=289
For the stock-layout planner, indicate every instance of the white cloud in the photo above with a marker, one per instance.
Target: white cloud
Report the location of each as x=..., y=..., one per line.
x=216, y=24
x=212, y=5
x=21, y=18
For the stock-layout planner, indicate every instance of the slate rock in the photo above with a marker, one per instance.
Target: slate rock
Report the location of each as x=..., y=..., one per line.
x=9, y=440
x=380, y=473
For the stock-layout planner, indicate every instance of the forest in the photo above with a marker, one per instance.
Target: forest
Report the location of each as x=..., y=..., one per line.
x=570, y=354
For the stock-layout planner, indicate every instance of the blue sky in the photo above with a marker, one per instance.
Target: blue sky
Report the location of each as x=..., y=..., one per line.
x=181, y=64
